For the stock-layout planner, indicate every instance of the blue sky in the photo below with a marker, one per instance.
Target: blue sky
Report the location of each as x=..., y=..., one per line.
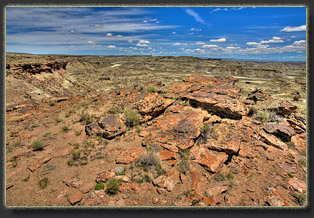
x=252, y=33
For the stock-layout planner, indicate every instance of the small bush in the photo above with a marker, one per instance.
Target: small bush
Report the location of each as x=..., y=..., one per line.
x=17, y=143
x=210, y=86
x=184, y=104
x=204, y=128
x=119, y=170
x=112, y=186
x=51, y=167
x=46, y=134
x=184, y=154
x=184, y=167
x=34, y=125
x=263, y=116
x=37, y=145
x=221, y=176
x=290, y=175
x=75, y=154
x=152, y=89
x=301, y=198
x=253, y=110
x=43, y=183
x=87, y=118
x=302, y=162
x=65, y=129
x=132, y=117
x=14, y=162
x=138, y=129
x=99, y=186
x=291, y=145
x=148, y=162
x=14, y=134
x=140, y=88
x=58, y=120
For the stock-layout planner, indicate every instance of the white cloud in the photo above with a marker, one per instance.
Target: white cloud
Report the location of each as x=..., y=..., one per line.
x=145, y=21
x=177, y=43
x=219, y=9
x=219, y=40
x=209, y=46
x=141, y=45
x=299, y=43
x=292, y=36
x=91, y=42
x=174, y=33
x=275, y=39
x=195, y=15
x=192, y=29
x=144, y=42
x=109, y=34
x=130, y=41
x=119, y=36
x=199, y=43
x=294, y=29
x=111, y=46
x=252, y=43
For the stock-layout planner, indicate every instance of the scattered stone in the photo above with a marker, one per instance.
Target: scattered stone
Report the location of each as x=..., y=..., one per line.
x=298, y=185
x=74, y=182
x=129, y=155
x=272, y=140
x=280, y=130
x=155, y=200
x=168, y=181
x=276, y=199
x=9, y=185
x=85, y=188
x=62, y=152
x=104, y=176
x=216, y=190
x=120, y=203
x=75, y=197
x=111, y=204
x=286, y=107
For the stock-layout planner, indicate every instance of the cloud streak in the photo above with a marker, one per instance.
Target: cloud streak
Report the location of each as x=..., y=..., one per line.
x=294, y=29
x=195, y=15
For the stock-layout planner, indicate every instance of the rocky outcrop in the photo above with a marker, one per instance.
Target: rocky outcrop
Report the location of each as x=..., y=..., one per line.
x=37, y=68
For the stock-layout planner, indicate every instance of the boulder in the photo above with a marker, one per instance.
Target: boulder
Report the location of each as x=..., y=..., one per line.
x=111, y=126
x=285, y=107
x=75, y=197
x=208, y=159
x=219, y=103
x=167, y=181
x=272, y=140
x=281, y=130
x=177, y=129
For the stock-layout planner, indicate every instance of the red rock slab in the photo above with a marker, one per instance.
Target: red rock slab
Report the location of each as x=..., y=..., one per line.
x=299, y=141
x=208, y=159
x=276, y=199
x=152, y=104
x=85, y=188
x=176, y=129
x=272, y=140
x=178, y=89
x=167, y=155
x=62, y=152
x=75, y=197
x=285, y=107
x=36, y=164
x=219, y=104
x=129, y=187
x=129, y=155
x=298, y=185
x=279, y=129
x=104, y=176
x=167, y=181
x=216, y=190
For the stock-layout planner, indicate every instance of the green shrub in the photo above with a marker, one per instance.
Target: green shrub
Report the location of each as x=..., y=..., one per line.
x=132, y=117
x=184, y=154
x=150, y=161
x=14, y=162
x=46, y=134
x=14, y=134
x=204, y=128
x=301, y=198
x=65, y=129
x=37, y=145
x=87, y=118
x=184, y=104
x=16, y=144
x=75, y=154
x=222, y=176
x=112, y=186
x=210, y=86
x=184, y=167
x=263, y=116
x=291, y=145
x=138, y=129
x=290, y=175
x=302, y=162
x=34, y=125
x=43, y=183
x=253, y=110
x=99, y=186
x=140, y=88
x=151, y=89
x=58, y=120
